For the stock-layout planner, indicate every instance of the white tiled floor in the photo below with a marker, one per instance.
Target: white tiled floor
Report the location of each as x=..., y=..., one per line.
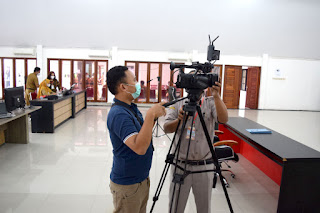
x=68, y=171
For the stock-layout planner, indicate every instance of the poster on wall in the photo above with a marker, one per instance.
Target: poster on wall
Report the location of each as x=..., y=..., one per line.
x=278, y=75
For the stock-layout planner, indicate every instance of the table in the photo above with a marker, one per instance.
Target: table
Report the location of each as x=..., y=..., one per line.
x=55, y=112
x=294, y=166
x=16, y=129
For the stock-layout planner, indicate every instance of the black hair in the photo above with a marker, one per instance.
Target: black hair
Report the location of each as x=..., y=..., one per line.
x=115, y=76
x=37, y=69
x=142, y=83
x=50, y=73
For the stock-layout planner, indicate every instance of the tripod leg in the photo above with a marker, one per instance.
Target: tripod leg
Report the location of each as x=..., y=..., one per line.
x=214, y=180
x=160, y=185
x=166, y=168
x=214, y=157
x=185, y=165
x=157, y=133
x=178, y=151
x=165, y=133
x=169, y=161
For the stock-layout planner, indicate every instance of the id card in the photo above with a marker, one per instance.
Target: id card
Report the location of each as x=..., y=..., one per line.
x=193, y=135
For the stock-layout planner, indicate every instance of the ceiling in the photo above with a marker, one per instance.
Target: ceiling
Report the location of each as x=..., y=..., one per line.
x=280, y=28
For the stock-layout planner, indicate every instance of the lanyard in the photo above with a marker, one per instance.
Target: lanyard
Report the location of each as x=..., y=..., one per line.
x=197, y=112
x=134, y=113
x=131, y=110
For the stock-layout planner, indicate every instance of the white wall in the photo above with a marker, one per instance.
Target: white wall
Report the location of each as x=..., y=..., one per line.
x=300, y=88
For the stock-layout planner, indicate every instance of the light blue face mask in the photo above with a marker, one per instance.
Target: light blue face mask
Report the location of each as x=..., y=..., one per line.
x=138, y=90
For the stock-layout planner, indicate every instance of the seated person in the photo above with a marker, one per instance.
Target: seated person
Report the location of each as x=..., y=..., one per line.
x=44, y=89
x=54, y=83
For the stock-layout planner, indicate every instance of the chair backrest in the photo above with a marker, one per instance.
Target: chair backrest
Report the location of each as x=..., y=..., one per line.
x=152, y=94
x=33, y=95
x=90, y=92
x=104, y=92
x=142, y=93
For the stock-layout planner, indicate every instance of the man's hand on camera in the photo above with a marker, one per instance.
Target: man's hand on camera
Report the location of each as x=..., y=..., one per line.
x=216, y=89
x=157, y=110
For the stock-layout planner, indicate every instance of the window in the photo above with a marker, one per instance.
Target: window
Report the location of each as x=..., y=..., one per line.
x=8, y=73
x=155, y=78
x=84, y=74
x=65, y=79
x=90, y=82
x=14, y=72
x=165, y=82
x=20, y=72
x=244, y=80
x=31, y=64
x=54, y=67
x=102, y=81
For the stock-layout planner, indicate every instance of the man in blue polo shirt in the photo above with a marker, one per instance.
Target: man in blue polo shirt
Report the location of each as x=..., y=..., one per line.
x=131, y=140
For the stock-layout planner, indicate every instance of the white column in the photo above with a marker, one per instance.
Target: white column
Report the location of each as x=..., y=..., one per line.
x=111, y=63
x=263, y=82
x=43, y=73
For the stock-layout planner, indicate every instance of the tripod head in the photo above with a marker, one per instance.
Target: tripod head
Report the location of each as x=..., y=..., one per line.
x=194, y=98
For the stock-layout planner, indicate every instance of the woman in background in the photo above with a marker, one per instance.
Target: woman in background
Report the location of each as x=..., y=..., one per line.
x=54, y=83
x=44, y=88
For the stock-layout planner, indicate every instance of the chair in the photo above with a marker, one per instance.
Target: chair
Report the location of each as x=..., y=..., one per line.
x=90, y=92
x=142, y=93
x=104, y=92
x=224, y=153
x=164, y=94
x=152, y=94
x=33, y=95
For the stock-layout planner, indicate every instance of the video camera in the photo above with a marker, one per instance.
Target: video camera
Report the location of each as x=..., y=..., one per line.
x=202, y=79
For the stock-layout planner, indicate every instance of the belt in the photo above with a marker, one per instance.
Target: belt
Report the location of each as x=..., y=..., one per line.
x=197, y=162
x=30, y=89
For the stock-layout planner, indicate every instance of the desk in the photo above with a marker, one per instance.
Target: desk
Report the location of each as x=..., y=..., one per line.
x=294, y=166
x=16, y=129
x=55, y=112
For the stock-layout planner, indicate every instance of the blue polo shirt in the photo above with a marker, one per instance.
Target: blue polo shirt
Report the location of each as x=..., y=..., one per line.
x=128, y=167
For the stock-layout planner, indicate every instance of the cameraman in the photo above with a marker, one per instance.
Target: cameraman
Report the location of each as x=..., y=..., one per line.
x=131, y=141
x=199, y=158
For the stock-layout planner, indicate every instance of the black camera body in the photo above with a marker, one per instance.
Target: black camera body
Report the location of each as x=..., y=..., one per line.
x=196, y=81
x=202, y=79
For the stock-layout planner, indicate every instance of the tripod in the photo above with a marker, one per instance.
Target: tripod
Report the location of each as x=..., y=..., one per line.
x=156, y=129
x=178, y=179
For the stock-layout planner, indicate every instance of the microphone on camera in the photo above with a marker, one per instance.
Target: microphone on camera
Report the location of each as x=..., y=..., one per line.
x=153, y=79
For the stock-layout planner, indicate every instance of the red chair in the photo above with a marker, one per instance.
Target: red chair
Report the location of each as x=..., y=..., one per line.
x=33, y=95
x=104, y=92
x=164, y=94
x=142, y=94
x=152, y=94
x=89, y=92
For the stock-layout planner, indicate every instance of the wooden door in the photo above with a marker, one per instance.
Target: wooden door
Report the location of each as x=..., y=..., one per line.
x=232, y=85
x=253, y=85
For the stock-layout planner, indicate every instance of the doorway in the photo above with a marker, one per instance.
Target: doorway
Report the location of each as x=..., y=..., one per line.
x=241, y=87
